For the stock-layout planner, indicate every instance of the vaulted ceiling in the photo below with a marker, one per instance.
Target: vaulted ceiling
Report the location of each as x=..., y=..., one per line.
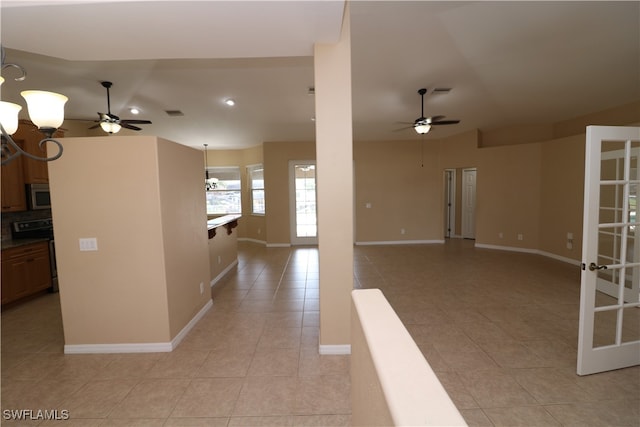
x=507, y=63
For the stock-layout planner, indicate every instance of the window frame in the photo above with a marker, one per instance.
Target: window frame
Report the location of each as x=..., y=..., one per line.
x=237, y=172
x=251, y=189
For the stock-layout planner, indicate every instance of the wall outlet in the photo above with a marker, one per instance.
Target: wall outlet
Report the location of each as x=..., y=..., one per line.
x=88, y=244
x=259, y=230
x=520, y=237
x=219, y=259
x=402, y=231
x=201, y=288
x=570, y=245
x=501, y=235
x=569, y=236
x=368, y=205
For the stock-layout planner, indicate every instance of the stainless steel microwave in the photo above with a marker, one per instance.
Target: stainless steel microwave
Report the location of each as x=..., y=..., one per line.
x=38, y=196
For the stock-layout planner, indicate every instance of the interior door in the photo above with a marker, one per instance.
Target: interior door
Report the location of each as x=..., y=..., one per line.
x=469, y=203
x=304, y=219
x=609, y=329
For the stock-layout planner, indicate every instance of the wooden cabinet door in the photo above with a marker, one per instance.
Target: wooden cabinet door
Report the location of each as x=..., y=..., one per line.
x=35, y=171
x=25, y=271
x=13, y=194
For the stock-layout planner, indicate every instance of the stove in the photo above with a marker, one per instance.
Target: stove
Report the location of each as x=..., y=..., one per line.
x=33, y=229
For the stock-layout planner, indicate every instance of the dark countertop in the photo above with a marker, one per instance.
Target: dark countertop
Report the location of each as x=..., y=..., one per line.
x=14, y=243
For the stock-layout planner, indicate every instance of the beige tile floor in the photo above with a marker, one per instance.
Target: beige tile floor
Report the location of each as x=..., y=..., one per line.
x=499, y=329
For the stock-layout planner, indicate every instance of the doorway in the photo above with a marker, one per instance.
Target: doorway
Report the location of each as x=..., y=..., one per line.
x=302, y=196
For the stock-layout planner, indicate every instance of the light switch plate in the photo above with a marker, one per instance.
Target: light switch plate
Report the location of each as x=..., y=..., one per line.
x=88, y=244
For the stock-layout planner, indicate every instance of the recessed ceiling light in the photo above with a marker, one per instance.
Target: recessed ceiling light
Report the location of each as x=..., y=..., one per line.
x=230, y=102
x=134, y=110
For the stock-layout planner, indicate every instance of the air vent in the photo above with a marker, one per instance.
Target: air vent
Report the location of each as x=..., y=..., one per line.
x=311, y=91
x=441, y=90
x=174, y=113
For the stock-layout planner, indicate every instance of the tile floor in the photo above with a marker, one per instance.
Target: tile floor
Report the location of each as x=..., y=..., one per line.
x=498, y=328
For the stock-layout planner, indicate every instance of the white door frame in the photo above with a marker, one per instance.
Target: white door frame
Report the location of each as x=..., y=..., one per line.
x=295, y=240
x=469, y=196
x=449, y=203
x=620, y=353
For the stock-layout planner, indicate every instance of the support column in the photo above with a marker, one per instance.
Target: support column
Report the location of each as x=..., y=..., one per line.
x=334, y=158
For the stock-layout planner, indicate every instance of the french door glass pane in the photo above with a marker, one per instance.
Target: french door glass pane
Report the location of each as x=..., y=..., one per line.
x=305, y=189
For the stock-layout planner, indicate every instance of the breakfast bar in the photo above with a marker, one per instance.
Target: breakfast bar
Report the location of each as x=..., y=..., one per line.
x=223, y=246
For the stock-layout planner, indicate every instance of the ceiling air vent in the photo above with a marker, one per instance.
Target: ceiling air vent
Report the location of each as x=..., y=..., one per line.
x=441, y=90
x=311, y=91
x=174, y=113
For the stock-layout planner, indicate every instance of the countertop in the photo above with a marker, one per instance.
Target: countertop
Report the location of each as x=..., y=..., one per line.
x=14, y=243
x=217, y=222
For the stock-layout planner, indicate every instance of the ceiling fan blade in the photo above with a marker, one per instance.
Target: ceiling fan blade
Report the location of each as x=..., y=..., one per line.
x=434, y=118
x=128, y=126
x=135, y=122
x=404, y=128
x=95, y=126
x=445, y=122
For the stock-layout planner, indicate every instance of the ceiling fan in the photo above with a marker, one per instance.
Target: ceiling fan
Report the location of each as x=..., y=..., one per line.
x=423, y=124
x=111, y=123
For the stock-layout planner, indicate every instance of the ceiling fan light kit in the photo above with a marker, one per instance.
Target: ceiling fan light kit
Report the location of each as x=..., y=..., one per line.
x=46, y=111
x=422, y=125
x=111, y=123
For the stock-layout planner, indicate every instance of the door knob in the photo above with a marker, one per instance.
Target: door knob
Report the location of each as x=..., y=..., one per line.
x=593, y=266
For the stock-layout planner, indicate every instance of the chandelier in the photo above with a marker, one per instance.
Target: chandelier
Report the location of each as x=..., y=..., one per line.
x=46, y=111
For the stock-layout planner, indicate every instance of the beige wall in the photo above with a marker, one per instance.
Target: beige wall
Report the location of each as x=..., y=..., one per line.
x=403, y=188
x=184, y=232
x=142, y=284
x=508, y=196
x=562, y=195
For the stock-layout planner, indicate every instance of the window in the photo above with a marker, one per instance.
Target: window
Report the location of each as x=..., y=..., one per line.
x=223, y=191
x=256, y=189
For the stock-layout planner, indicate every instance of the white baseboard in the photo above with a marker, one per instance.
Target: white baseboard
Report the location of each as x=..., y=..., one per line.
x=528, y=251
x=399, y=242
x=183, y=333
x=157, y=347
x=506, y=248
x=278, y=245
x=223, y=273
x=249, y=239
x=335, y=349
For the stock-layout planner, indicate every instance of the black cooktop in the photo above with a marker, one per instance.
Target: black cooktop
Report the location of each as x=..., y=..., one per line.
x=34, y=228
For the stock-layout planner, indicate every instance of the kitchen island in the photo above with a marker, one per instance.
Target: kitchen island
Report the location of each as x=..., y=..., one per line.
x=223, y=246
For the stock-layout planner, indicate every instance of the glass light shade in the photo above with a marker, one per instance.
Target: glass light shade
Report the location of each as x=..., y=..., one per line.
x=9, y=116
x=1, y=81
x=110, y=127
x=422, y=128
x=46, y=109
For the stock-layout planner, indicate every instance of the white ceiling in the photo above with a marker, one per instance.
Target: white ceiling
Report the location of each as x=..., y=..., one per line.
x=508, y=63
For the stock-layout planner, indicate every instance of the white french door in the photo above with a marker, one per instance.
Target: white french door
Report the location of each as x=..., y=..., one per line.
x=302, y=196
x=609, y=330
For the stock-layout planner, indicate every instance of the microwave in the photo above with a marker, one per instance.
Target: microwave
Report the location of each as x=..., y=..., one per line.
x=38, y=196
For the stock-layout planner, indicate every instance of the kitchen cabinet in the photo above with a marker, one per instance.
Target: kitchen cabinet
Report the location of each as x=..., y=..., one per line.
x=13, y=195
x=25, y=271
x=34, y=171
